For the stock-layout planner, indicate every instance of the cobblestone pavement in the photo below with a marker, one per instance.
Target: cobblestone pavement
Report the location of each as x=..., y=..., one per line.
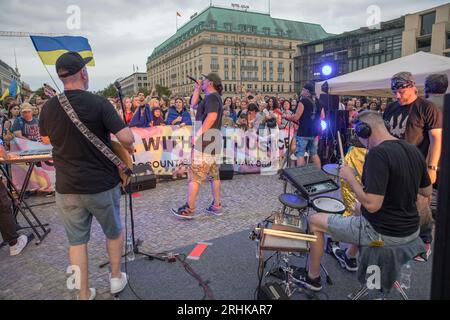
x=39, y=273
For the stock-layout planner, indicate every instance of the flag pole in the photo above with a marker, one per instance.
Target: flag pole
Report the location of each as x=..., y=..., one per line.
x=54, y=82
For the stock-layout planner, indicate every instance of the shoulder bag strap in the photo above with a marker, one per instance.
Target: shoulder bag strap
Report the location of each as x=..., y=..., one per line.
x=100, y=145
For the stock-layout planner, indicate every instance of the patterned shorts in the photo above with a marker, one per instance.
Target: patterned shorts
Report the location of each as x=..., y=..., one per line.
x=203, y=166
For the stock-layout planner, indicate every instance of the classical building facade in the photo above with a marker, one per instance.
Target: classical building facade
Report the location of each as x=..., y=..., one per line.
x=7, y=74
x=249, y=50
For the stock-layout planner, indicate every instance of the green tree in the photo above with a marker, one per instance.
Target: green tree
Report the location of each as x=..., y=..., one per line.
x=108, y=92
x=40, y=93
x=163, y=91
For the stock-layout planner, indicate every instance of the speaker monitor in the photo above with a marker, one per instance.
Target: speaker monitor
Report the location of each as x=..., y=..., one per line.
x=143, y=179
x=226, y=172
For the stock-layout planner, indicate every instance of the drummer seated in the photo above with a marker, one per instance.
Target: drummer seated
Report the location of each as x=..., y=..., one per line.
x=393, y=176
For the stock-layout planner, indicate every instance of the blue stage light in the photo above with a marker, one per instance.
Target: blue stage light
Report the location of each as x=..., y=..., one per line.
x=324, y=125
x=327, y=70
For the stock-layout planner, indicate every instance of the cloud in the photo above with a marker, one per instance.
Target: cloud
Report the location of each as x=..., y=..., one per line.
x=123, y=33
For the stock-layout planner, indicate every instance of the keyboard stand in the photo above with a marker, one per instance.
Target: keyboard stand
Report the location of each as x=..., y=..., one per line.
x=19, y=204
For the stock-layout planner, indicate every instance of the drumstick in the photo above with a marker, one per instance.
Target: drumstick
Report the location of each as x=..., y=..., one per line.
x=289, y=234
x=341, y=148
x=291, y=237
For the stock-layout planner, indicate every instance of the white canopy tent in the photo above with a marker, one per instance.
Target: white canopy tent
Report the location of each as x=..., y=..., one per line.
x=375, y=81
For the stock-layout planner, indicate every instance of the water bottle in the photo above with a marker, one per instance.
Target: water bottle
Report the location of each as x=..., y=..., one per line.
x=130, y=250
x=405, y=278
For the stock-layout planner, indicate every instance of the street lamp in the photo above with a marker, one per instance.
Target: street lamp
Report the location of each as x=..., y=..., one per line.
x=241, y=46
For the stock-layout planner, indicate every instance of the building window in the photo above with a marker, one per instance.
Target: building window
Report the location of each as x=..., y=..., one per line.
x=214, y=50
x=226, y=75
x=266, y=31
x=448, y=40
x=228, y=26
x=280, y=55
x=225, y=51
x=270, y=54
x=280, y=77
x=233, y=75
x=424, y=45
x=427, y=23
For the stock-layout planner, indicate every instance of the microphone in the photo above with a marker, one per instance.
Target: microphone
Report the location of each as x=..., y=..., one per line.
x=118, y=86
x=191, y=78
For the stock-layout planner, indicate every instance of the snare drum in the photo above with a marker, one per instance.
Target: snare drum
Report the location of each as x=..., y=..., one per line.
x=328, y=205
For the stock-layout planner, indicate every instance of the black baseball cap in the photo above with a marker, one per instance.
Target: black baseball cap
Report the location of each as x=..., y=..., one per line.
x=214, y=78
x=310, y=87
x=70, y=63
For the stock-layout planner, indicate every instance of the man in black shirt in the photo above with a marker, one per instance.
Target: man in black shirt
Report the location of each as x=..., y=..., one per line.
x=87, y=183
x=394, y=174
x=419, y=122
x=308, y=114
x=207, y=146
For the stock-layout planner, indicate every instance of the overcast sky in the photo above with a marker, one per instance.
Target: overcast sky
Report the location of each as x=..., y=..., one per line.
x=123, y=33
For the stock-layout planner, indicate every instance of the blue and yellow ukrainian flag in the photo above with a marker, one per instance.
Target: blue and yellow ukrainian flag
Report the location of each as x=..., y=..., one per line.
x=12, y=91
x=50, y=49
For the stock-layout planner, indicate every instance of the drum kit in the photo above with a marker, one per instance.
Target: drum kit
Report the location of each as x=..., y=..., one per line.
x=287, y=231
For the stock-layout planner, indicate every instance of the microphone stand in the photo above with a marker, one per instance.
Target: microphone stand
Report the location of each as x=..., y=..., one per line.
x=127, y=190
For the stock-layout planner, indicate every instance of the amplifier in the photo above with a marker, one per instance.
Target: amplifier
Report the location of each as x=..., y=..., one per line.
x=272, y=291
x=226, y=172
x=143, y=179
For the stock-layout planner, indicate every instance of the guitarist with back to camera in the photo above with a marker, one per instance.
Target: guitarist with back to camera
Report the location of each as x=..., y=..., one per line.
x=87, y=181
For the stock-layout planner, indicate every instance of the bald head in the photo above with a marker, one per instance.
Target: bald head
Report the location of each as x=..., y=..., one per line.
x=79, y=80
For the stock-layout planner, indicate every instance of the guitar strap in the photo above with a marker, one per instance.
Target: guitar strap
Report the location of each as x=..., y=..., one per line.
x=100, y=145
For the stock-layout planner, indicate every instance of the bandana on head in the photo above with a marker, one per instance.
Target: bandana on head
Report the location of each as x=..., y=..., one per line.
x=401, y=83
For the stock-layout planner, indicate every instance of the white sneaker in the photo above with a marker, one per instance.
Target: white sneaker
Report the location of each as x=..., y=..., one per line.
x=22, y=242
x=117, y=285
x=93, y=294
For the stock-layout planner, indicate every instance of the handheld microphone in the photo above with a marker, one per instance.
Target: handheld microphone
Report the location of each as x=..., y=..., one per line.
x=191, y=78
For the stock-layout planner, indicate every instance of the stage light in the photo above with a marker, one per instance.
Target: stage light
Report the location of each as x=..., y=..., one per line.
x=327, y=70
x=324, y=125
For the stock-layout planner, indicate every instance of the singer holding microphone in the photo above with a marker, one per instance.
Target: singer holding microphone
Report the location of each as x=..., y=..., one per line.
x=206, y=145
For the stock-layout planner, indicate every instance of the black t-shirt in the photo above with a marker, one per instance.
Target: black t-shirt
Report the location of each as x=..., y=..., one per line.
x=211, y=104
x=413, y=122
x=396, y=170
x=80, y=167
x=310, y=118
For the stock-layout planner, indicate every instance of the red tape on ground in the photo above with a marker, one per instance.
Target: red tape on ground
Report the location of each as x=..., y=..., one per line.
x=198, y=251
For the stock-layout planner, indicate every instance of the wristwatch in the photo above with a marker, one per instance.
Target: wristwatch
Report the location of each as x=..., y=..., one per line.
x=434, y=168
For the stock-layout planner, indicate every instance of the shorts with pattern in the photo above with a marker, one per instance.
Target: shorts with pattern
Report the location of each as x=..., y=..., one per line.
x=203, y=166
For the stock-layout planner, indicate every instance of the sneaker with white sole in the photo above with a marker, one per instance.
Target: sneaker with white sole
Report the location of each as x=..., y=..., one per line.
x=22, y=242
x=93, y=294
x=118, y=284
x=215, y=211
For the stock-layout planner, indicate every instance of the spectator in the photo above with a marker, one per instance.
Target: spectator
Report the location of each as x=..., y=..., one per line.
x=7, y=135
x=36, y=112
x=178, y=115
x=373, y=106
x=244, y=104
x=227, y=121
x=242, y=122
x=129, y=113
x=436, y=86
x=164, y=105
x=26, y=126
x=13, y=112
x=157, y=116
x=142, y=117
